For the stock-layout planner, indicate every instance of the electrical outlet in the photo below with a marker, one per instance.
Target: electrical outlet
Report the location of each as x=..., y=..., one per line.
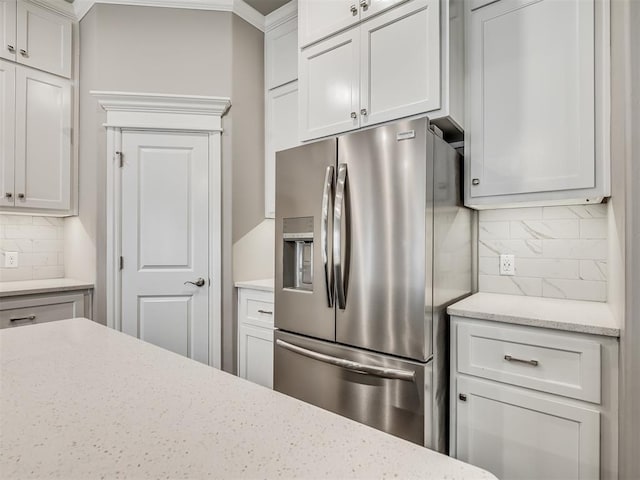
x=507, y=265
x=10, y=259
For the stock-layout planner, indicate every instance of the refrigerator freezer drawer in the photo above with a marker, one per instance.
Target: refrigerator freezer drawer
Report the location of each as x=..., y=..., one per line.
x=383, y=392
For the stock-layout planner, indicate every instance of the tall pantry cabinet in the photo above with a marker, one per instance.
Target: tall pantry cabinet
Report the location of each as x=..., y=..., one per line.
x=36, y=154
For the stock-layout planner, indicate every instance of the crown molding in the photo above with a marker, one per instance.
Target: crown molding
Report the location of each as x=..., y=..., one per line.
x=287, y=12
x=58, y=6
x=168, y=112
x=238, y=7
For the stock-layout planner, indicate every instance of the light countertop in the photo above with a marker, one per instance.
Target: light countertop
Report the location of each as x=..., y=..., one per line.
x=29, y=287
x=264, y=284
x=90, y=402
x=570, y=315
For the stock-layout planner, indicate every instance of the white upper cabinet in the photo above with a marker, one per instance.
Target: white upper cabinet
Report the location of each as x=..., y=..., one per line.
x=319, y=19
x=532, y=133
x=8, y=29
x=329, y=86
x=44, y=39
x=369, y=8
x=7, y=131
x=403, y=44
x=281, y=54
x=43, y=141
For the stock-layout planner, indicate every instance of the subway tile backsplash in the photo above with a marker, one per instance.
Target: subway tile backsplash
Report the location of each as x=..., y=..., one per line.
x=39, y=242
x=560, y=252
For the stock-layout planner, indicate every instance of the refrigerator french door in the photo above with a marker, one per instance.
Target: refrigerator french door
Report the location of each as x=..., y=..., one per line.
x=357, y=329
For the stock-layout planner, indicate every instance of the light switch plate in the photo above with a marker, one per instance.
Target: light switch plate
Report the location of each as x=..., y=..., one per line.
x=507, y=265
x=10, y=259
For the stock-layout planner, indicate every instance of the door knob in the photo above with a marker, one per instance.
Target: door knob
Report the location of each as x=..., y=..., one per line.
x=354, y=10
x=9, y=195
x=198, y=283
x=21, y=196
x=11, y=48
x=363, y=112
x=24, y=53
x=354, y=115
x=364, y=4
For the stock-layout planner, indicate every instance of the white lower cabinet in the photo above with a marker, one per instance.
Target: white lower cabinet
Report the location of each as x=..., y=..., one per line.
x=31, y=309
x=255, y=336
x=533, y=403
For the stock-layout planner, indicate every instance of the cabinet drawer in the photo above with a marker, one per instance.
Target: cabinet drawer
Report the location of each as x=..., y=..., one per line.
x=28, y=311
x=256, y=308
x=547, y=361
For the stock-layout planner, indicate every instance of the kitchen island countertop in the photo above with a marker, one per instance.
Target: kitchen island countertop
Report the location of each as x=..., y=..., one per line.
x=88, y=402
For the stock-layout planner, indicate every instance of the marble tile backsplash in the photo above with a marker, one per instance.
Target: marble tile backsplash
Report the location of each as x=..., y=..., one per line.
x=39, y=242
x=560, y=252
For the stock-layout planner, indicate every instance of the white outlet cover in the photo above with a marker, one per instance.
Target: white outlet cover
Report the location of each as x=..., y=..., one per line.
x=10, y=259
x=507, y=265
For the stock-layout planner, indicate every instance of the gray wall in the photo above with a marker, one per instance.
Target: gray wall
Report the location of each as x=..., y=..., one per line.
x=626, y=84
x=179, y=51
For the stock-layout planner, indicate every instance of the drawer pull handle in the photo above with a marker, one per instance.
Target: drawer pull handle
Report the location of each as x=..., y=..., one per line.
x=19, y=319
x=265, y=312
x=509, y=358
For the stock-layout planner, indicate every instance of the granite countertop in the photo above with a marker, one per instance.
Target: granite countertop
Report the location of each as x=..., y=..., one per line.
x=29, y=287
x=90, y=402
x=570, y=315
x=264, y=284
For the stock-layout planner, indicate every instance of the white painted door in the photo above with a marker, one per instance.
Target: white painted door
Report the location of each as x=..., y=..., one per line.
x=282, y=133
x=403, y=43
x=8, y=29
x=165, y=240
x=531, y=70
x=43, y=140
x=330, y=86
x=44, y=39
x=281, y=62
x=318, y=19
x=255, y=354
x=7, y=131
x=518, y=434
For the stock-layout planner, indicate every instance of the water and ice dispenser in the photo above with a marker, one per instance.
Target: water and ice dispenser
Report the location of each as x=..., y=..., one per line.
x=297, y=257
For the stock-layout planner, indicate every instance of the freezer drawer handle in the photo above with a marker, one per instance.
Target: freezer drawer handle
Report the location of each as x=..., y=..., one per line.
x=324, y=228
x=392, y=373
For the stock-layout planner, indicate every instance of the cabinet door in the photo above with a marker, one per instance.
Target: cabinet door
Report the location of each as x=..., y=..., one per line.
x=330, y=86
x=44, y=39
x=531, y=70
x=255, y=354
x=281, y=62
x=282, y=133
x=403, y=43
x=43, y=140
x=8, y=29
x=7, y=131
x=29, y=309
x=517, y=434
x=318, y=19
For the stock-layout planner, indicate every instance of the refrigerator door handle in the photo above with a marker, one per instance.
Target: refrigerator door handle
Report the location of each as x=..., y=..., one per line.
x=392, y=373
x=337, y=235
x=324, y=227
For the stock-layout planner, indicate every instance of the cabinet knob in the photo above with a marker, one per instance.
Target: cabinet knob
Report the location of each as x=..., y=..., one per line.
x=8, y=195
x=24, y=53
x=11, y=48
x=364, y=4
x=363, y=111
x=354, y=10
x=462, y=397
x=21, y=196
x=354, y=115
x=475, y=181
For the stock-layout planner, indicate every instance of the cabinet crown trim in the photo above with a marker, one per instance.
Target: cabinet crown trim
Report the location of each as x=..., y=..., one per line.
x=287, y=12
x=153, y=110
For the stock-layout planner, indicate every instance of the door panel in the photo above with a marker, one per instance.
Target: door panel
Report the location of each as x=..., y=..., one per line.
x=7, y=132
x=300, y=177
x=43, y=140
x=330, y=86
x=44, y=39
x=516, y=434
x=403, y=43
x=384, y=240
x=396, y=406
x=322, y=18
x=531, y=67
x=255, y=354
x=165, y=231
x=8, y=29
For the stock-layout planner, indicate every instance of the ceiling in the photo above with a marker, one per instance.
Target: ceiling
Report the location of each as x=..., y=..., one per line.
x=266, y=6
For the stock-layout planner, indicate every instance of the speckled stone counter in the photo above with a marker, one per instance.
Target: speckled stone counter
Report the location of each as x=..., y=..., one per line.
x=571, y=315
x=80, y=401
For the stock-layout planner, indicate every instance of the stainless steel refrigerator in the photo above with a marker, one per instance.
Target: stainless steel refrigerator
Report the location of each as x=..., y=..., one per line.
x=372, y=244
